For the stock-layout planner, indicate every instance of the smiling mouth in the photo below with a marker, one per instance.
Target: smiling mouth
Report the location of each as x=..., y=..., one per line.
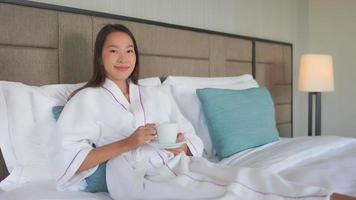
x=122, y=68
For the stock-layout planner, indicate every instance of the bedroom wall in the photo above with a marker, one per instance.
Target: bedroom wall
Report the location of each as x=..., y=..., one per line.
x=283, y=20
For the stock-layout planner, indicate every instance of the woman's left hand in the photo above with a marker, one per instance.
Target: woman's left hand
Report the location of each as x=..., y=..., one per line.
x=183, y=148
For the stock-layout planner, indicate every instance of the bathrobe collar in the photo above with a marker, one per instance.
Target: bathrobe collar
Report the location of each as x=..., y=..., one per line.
x=136, y=105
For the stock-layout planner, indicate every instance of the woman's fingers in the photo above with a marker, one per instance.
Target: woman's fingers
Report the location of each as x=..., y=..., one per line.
x=149, y=134
x=178, y=150
x=174, y=151
x=150, y=125
x=144, y=135
x=150, y=129
x=180, y=137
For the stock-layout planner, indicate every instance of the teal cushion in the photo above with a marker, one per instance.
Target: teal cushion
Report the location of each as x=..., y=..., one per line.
x=56, y=111
x=97, y=181
x=238, y=119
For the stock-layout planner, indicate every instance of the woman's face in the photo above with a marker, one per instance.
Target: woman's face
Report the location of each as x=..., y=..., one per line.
x=118, y=56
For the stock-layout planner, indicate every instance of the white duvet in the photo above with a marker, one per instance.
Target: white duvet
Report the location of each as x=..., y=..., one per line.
x=327, y=162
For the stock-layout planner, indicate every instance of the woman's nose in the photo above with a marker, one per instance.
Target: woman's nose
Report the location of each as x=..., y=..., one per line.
x=120, y=57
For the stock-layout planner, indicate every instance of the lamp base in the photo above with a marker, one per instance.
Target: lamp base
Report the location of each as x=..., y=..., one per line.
x=317, y=113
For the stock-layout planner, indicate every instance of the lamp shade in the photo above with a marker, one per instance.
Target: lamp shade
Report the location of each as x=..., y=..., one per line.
x=316, y=73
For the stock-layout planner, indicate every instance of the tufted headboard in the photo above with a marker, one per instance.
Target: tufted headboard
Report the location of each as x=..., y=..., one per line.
x=45, y=44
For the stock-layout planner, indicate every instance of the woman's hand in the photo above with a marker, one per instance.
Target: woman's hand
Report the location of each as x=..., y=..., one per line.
x=142, y=135
x=183, y=148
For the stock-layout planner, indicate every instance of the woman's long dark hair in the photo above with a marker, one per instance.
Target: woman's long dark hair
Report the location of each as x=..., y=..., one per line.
x=98, y=77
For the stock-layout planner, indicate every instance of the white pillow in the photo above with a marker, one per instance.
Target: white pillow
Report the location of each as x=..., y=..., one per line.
x=183, y=91
x=152, y=81
x=61, y=92
x=20, y=132
x=191, y=80
x=5, y=144
x=26, y=128
x=29, y=129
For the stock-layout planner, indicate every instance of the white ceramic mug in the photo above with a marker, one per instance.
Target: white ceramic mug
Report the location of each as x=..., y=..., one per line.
x=167, y=132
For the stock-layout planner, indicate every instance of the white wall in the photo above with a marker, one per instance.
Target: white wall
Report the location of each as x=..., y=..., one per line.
x=332, y=30
x=273, y=19
x=305, y=23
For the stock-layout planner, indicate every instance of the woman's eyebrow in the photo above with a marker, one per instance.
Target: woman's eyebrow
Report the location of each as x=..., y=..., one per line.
x=115, y=46
x=112, y=45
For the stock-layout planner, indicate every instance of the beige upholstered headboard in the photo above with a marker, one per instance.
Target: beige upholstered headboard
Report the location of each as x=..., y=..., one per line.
x=43, y=44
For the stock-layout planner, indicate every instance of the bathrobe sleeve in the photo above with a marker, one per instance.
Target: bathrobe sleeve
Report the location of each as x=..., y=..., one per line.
x=194, y=143
x=78, y=129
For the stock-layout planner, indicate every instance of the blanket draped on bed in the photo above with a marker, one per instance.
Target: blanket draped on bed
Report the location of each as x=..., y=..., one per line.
x=133, y=176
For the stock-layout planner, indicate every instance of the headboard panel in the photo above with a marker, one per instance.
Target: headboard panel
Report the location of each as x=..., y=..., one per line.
x=274, y=71
x=31, y=35
x=50, y=45
x=165, y=51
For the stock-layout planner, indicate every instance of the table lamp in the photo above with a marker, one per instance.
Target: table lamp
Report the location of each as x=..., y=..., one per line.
x=315, y=76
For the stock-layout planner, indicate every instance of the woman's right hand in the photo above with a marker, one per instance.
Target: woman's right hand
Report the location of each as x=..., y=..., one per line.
x=142, y=135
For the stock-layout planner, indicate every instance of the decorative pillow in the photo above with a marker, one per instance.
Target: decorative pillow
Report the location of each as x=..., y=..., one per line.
x=97, y=181
x=183, y=90
x=238, y=119
x=56, y=111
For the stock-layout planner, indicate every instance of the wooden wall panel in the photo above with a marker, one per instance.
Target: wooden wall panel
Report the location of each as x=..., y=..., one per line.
x=238, y=49
x=230, y=56
x=284, y=129
x=287, y=60
x=217, y=57
x=283, y=113
x=164, y=66
x=18, y=26
x=156, y=40
x=33, y=66
x=75, y=48
x=282, y=94
x=273, y=70
x=238, y=68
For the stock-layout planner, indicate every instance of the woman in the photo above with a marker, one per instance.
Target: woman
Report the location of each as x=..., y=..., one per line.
x=111, y=103
x=114, y=115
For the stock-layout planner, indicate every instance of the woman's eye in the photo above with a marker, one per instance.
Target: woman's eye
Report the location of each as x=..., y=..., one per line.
x=112, y=51
x=130, y=51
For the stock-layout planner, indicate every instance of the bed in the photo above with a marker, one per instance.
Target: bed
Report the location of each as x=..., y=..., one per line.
x=45, y=51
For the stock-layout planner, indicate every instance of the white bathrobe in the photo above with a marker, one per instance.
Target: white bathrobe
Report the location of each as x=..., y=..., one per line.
x=103, y=115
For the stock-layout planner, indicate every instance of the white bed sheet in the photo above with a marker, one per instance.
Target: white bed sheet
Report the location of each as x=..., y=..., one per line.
x=321, y=161
x=46, y=190
x=326, y=161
